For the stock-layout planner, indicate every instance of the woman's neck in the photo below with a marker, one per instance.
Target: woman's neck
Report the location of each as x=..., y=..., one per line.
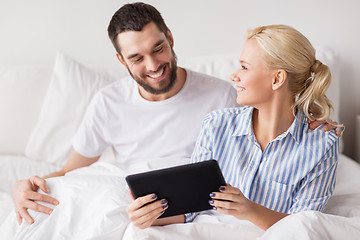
x=270, y=121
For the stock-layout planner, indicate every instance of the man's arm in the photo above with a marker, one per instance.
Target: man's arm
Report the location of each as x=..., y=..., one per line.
x=25, y=191
x=75, y=161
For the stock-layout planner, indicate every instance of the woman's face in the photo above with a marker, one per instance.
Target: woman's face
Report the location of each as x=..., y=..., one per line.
x=253, y=78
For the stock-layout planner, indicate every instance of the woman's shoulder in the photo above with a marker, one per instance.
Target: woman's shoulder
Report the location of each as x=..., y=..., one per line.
x=318, y=139
x=227, y=115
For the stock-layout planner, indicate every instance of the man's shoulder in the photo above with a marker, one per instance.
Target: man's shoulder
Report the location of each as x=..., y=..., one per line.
x=123, y=83
x=210, y=90
x=118, y=87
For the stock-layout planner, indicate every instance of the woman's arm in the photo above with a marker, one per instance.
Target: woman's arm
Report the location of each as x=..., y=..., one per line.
x=169, y=220
x=264, y=217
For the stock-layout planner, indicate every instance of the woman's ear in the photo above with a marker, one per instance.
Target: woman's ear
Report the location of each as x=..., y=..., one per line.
x=279, y=79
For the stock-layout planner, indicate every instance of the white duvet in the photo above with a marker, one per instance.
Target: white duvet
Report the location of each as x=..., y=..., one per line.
x=93, y=201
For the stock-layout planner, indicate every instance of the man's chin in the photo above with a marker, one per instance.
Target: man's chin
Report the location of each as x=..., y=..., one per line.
x=163, y=86
x=160, y=87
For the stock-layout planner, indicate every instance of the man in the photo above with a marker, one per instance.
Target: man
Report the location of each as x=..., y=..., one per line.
x=156, y=116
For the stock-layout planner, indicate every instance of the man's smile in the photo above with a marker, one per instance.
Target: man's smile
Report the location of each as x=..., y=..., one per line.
x=159, y=75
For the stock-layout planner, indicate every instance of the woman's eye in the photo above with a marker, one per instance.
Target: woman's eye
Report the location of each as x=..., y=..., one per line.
x=243, y=67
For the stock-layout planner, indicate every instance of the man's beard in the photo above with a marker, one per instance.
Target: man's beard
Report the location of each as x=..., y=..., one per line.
x=164, y=88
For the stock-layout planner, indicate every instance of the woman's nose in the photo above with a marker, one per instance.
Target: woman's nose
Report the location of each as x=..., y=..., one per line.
x=234, y=77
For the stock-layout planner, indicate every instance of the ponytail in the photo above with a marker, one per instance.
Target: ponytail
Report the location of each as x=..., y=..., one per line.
x=312, y=99
x=288, y=49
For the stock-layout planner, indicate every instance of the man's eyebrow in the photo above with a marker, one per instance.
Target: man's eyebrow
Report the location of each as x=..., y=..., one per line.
x=132, y=56
x=158, y=43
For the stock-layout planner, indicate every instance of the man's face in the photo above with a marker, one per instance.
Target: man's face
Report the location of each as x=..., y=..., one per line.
x=149, y=58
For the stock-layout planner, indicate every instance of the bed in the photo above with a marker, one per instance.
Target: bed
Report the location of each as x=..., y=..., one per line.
x=36, y=141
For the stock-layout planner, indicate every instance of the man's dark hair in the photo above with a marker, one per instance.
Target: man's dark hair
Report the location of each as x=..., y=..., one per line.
x=133, y=17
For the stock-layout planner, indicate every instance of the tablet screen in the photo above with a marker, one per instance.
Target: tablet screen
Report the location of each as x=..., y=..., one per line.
x=186, y=187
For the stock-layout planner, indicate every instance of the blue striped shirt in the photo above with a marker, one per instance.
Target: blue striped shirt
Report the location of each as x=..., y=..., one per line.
x=296, y=171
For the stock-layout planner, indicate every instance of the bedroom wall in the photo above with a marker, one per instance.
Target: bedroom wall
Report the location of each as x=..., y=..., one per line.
x=33, y=31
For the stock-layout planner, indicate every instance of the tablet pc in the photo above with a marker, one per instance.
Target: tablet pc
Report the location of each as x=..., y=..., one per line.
x=186, y=187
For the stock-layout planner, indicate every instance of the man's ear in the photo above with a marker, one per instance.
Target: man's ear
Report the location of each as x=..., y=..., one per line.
x=121, y=59
x=279, y=79
x=170, y=37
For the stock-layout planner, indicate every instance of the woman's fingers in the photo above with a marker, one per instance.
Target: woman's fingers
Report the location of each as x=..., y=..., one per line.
x=141, y=201
x=151, y=214
x=145, y=210
x=224, y=196
x=229, y=189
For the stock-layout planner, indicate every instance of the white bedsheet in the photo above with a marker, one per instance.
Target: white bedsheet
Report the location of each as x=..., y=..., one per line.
x=93, y=200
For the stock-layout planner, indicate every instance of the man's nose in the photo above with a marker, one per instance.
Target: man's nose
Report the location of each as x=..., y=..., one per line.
x=152, y=64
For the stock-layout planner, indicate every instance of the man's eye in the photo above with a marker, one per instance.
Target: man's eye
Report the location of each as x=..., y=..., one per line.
x=138, y=59
x=158, y=50
x=243, y=67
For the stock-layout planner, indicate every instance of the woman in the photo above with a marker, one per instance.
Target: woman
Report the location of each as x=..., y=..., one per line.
x=274, y=164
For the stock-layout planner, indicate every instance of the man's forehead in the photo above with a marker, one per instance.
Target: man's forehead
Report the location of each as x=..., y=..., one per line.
x=135, y=42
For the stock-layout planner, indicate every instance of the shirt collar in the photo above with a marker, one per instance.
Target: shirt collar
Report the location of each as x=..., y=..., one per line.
x=243, y=125
x=297, y=127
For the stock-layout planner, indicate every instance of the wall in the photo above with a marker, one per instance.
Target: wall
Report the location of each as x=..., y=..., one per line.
x=33, y=31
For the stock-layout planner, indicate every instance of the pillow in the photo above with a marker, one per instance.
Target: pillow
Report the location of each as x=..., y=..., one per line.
x=22, y=90
x=71, y=88
x=218, y=65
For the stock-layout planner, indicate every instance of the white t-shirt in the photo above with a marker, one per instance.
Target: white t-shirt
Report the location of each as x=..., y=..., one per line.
x=138, y=129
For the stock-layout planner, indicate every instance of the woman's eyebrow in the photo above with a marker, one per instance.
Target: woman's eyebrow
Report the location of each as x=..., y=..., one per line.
x=243, y=61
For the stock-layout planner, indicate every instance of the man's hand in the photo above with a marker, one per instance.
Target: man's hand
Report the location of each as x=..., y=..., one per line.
x=327, y=127
x=144, y=216
x=24, y=195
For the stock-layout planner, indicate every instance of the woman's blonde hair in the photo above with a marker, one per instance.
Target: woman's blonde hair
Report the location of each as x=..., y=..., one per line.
x=308, y=79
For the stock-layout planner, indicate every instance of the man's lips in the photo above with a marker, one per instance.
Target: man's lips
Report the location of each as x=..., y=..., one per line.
x=158, y=75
